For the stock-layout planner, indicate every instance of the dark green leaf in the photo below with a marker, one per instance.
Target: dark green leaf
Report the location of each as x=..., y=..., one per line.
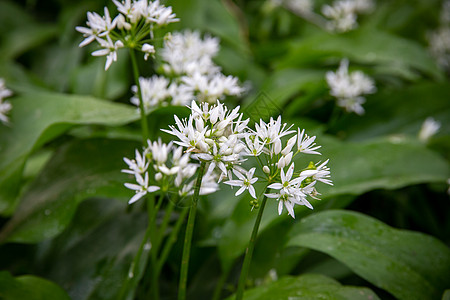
x=364, y=45
x=39, y=117
x=78, y=171
x=409, y=265
x=306, y=287
x=29, y=287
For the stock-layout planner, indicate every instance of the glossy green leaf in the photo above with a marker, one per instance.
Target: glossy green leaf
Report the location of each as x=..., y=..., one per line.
x=306, y=287
x=38, y=118
x=409, y=265
x=78, y=171
x=399, y=111
x=364, y=45
x=29, y=287
x=92, y=257
x=355, y=169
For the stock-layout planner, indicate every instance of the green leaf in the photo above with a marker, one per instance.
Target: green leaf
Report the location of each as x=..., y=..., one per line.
x=29, y=287
x=383, y=163
x=399, y=111
x=306, y=287
x=97, y=247
x=407, y=264
x=78, y=171
x=39, y=117
x=364, y=45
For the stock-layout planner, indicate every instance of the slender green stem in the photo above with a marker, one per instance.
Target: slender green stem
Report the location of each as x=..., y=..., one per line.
x=144, y=125
x=188, y=236
x=163, y=228
x=135, y=271
x=249, y=252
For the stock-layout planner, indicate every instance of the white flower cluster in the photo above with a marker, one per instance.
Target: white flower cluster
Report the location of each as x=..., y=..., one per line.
x=342, y=14
x=5, y=106
x=187, y=61
x=222, y=140
x=429, y=128
x=348, y=88
x=132, y=27
x=440, y=38
x=171, y=167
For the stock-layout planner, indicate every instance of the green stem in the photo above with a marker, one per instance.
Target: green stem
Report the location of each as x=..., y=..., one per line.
x=170, y=241
x=249, y=252
x=135, y=271
x=144, y=125
x=188, y=236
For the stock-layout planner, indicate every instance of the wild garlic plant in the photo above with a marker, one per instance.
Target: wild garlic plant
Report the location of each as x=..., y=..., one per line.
x=349, y=87
x=221, y=141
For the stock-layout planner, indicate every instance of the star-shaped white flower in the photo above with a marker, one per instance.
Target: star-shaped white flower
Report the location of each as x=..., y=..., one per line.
x=141, y=189
x=244, y=182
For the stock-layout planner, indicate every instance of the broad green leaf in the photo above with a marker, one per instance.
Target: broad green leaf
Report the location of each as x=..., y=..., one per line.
x=409, y=265
x=356, y=168
x=29, y=287
x=308, y=287
x=97, y=247
x=399, y=111
x=286, y=83
x=364, y=45
x=78, y=171
x=39, y=117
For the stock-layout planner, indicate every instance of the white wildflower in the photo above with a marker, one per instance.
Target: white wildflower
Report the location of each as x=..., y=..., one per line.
x=244, y=182
x=109, y=49
x=348, y=88
x=429, y=128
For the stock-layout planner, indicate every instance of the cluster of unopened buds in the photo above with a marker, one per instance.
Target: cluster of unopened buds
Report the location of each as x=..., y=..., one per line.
x=349, y=87
x=221, y=139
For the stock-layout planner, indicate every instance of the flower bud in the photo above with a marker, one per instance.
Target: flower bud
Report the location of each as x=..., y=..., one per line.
x=266, y=169
x=158, y=176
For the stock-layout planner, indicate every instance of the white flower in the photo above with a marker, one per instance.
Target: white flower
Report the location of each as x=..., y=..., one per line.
x=271, y=133
x=5, y=106
x=109, y=49
x=429, y=128
x=306, y=144
x=244, y=182
x=440, y=45
x=321, y=173
x=342, y=15
x=187, y=53
x=147, y=49
x=348, y=87
x=141, y=189
x=136, y=166
x=98, y=26
x=287, y=184
x=160, y=14
x=288, y=200
x=154, y=91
